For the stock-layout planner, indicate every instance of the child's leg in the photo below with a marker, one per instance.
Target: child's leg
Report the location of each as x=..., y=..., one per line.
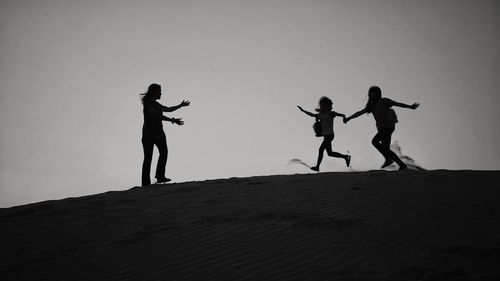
x=331, y=153
x=385, y=143
x=320, y=158
x=322, y=148
x=377, y=143
x=380, y=141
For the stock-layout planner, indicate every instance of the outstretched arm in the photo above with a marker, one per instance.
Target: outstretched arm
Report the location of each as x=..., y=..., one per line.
x=306, y=112
x=177, y=121
x=174, y=108
x=340, y=115
x=355, y=115
x=404, y=105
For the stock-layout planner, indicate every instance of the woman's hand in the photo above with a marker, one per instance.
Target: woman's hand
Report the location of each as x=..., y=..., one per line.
x=185, y=103
x=300, y=108
x=177, y=121
x=415, y=105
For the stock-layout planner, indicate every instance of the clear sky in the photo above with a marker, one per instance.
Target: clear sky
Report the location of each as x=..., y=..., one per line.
x=71, y=73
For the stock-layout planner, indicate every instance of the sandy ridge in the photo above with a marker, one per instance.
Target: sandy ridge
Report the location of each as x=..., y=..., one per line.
x=410, y=225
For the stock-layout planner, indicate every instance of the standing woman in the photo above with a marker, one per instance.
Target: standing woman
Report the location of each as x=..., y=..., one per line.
x=153, y=134
x=386, y=119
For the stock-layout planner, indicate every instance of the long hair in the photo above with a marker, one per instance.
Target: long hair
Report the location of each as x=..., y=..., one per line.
x=148, y=95
x=374, y=95
x=324, y=105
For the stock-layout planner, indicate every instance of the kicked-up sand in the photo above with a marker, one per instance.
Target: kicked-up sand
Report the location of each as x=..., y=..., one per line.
x=377, y=225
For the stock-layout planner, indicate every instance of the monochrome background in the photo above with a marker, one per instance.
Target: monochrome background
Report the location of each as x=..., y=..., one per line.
x=71, y=73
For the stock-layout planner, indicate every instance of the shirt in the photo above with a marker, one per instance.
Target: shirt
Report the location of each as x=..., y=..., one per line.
x=153, y=126
x=384, y=115
x=326, y=120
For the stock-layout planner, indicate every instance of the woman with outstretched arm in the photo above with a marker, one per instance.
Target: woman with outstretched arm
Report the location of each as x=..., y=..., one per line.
x=386, y=119
x=153, y=134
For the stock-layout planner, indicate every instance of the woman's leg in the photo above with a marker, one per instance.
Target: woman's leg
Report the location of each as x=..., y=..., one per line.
x=161, y=143
x=147, y=147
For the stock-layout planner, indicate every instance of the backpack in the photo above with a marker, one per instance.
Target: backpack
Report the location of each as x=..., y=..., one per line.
x=394, y=117
x=317, y=128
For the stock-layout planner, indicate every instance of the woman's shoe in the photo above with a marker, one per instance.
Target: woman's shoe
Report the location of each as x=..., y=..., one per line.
x=163, y=180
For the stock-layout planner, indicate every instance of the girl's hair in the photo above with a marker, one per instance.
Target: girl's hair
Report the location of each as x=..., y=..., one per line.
x=374, y=95
x=324, y=105
x=148, y=95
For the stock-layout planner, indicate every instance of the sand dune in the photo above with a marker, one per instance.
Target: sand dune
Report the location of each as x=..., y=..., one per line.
x=409, y=225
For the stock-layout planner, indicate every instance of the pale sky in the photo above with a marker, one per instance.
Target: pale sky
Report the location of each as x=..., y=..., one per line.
x=71, y=73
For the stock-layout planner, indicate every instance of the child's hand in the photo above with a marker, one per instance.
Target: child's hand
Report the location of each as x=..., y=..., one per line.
x=415, y=105
x=300, y=108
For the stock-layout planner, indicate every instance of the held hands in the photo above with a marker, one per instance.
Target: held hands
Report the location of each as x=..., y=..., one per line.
x=346, y=119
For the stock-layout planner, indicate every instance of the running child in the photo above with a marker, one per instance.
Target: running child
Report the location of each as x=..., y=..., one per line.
x=325, y=116
x=385, y=119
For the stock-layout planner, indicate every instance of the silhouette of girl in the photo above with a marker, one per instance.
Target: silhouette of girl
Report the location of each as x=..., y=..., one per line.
x=325, y=116
x=153, y=134
x=386, y=119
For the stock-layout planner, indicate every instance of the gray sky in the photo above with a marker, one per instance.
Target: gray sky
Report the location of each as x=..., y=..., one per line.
x=71, y=73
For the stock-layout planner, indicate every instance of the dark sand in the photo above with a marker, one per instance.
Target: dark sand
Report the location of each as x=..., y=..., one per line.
x=409, y=225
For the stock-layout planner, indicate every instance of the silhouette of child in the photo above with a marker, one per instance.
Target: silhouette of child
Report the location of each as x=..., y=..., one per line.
x=325, y=116
x=386, y=119
x=153, y=134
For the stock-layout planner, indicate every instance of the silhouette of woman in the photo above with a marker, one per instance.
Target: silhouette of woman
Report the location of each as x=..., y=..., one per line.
x=325, y=116
x=386, y=119
x=153, y=134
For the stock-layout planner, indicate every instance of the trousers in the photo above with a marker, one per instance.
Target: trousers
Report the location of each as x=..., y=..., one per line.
x=148, y=144
x=382, y=142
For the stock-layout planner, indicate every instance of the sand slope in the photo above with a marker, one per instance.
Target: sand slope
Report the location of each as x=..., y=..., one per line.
x=409, y=225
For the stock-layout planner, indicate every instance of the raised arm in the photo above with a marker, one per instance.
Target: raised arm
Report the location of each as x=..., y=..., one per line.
x=173, y=108
x=306, y=112
x=404, y=105
x=355, y=115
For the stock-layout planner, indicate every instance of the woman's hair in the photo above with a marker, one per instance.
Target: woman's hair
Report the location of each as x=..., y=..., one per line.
x=374, y=95
x=148, y=95
x=324, y=105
